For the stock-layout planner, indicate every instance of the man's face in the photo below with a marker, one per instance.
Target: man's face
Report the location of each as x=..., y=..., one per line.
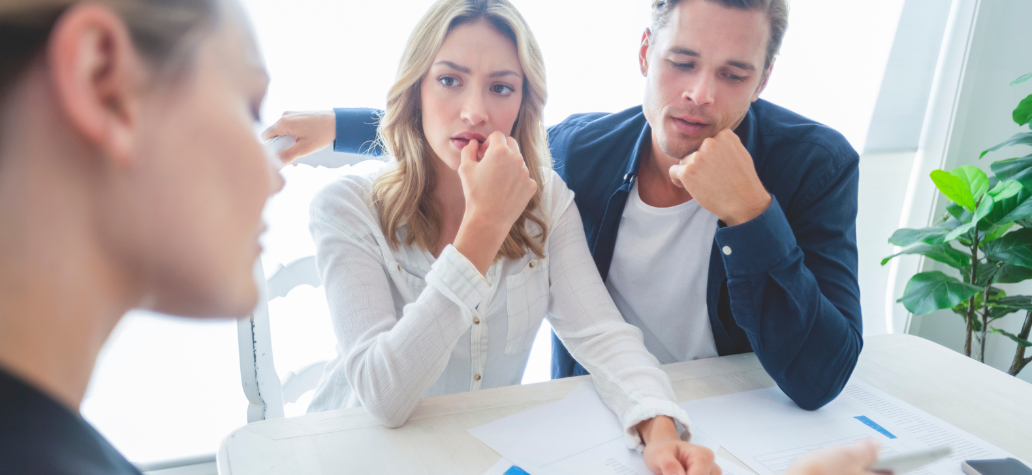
x=703, y=69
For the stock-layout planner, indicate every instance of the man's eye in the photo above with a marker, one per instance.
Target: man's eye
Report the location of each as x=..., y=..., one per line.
x=736, y=78
x=448, y=81
x=682, y=65
x=502, y=89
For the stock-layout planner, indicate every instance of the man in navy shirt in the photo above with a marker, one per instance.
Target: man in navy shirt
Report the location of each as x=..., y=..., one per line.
x=721, y=223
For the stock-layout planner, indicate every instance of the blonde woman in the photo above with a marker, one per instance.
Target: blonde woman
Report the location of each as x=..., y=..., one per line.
x=440, y=265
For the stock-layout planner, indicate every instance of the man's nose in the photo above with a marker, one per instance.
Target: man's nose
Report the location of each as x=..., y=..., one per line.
x=700, y=90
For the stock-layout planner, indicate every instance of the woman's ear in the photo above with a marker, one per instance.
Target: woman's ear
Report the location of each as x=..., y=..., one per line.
x=96, y=76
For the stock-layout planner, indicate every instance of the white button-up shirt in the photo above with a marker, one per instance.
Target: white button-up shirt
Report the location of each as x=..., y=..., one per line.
x=410, y=326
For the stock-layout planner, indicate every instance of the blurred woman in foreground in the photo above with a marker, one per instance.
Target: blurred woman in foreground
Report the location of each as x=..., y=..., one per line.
x=130, y=177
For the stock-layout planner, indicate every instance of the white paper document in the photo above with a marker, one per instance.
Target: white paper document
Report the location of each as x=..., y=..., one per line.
x=576, y=435
x=768, y=432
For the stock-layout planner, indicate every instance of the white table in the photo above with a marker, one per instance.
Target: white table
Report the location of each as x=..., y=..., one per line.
x=988, y=403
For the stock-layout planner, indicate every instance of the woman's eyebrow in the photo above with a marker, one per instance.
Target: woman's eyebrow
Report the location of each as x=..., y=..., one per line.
x=498, y=74
x=461, y=69
x=465, y=70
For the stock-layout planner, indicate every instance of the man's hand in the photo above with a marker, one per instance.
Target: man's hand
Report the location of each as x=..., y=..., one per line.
x=722, y=177
x=313, y=131
x=666, y=454
x=852, y=459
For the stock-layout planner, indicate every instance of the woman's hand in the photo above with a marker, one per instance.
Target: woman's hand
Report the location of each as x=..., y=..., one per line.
x=666, y=454
x=313, y=131
x=853, y=459
x=497, y=188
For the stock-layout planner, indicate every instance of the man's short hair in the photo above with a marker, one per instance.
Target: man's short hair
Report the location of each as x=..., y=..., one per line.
x=777, y=12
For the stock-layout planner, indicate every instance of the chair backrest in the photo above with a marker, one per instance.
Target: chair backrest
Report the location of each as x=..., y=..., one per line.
x=266, y=394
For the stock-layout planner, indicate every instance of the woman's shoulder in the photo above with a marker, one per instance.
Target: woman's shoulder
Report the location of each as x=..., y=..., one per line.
x=555, y=195
x=346, y=201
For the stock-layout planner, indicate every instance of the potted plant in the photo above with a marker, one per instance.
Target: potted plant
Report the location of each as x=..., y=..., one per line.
x=986, y=236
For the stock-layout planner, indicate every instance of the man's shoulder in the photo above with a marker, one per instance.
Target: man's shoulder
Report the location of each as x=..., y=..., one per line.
x=783, y=131
x=597, y=131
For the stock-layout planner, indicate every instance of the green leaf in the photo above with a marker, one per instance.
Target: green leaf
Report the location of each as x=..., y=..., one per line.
x=1020, y=341
x=1000, y=312
x=1013, y=248
x=1021, y=79
x=985, y=206
x=1017, y=302
x=1011, y=204
x=959, y=212
x=1017, y=169
x=1021, y=138
x=1009, y=274
x=927, y=292
x=944, y=253
x=995, y=234
x=1025, y=223
x=930, y=235
x=1023, y=113
x=1005, y=189
x=985, y=273
x=976, y=179
x=954, y=188
x=1022, y=211
x=1012, y=274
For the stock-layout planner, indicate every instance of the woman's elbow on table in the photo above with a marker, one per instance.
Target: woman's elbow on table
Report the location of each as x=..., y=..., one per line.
x=381, y=399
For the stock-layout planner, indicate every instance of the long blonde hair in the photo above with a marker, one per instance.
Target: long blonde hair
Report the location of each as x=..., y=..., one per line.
x=404, y=193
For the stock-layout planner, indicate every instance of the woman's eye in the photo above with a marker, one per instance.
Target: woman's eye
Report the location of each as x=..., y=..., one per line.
x=502, y=89
x=448, y=81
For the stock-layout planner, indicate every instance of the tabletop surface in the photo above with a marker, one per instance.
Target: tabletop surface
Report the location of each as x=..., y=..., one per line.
x=974, y=397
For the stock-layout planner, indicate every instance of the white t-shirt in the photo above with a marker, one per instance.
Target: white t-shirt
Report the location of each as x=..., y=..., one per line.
x=659, y=274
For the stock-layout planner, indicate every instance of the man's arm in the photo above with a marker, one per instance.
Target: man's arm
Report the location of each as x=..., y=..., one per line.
x=793, y=287
x=356, y=131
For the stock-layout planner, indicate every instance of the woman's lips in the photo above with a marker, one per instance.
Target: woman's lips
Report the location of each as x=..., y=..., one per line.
x=461, y=140
x=459, y=143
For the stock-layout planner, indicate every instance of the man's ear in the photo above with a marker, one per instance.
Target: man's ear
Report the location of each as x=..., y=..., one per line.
x=96, y=76
x=643, y=52
x=763, y=82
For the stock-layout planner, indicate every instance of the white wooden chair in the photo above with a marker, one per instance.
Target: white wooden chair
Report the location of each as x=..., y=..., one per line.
x=266, y=394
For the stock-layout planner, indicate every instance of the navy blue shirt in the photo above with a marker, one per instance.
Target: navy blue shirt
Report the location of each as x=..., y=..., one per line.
x=788, y=290
x=39, y=436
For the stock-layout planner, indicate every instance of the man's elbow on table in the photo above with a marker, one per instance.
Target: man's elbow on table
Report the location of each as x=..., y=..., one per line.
x=819, y=388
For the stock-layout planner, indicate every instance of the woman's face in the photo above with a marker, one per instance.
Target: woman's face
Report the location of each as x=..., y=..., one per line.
x=473, y=88
x=202, y=180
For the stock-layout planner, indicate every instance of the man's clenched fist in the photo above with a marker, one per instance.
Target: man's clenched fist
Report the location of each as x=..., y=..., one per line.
x=722, y=177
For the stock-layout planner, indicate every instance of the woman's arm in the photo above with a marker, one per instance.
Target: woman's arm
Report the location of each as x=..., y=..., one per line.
x=584, y=316
x=390, y=362
x=626, y=375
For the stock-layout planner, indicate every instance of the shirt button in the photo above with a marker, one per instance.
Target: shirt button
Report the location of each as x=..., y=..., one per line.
x=532, y=264
x=476, y=320
x=727, y=250
x=476, y=377
x=399, y=265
